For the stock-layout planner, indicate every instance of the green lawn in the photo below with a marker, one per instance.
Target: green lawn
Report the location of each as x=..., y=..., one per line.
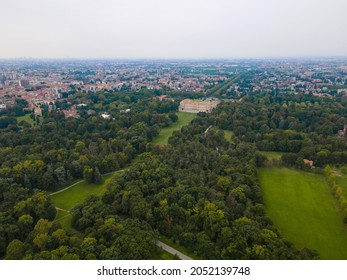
x=77, y=194
x=64, y=219
x=25, y=118
x=227, y=135
x=184, y=118
x=272, y=155
x=302, y=208
x=68, y=199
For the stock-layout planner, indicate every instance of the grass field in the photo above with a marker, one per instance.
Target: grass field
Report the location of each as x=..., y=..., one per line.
x=164, y=135
x=272, y=155
x=68, y=199
x=64, y=218
x=77, y=194
x=227, y=135
x=25, y=118
x=302, y=208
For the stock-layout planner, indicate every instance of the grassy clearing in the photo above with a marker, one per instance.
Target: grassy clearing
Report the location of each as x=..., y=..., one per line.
x=272, y=155
x=25, y=118
x=77, y=194
x=302, y=208
x=64, y=218
x=68, y=199
x=227, y=135
x=184, y=118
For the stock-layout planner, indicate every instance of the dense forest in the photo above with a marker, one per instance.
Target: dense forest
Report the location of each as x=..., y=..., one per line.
x=59, y=150
x=201, y=190
x=303, y=125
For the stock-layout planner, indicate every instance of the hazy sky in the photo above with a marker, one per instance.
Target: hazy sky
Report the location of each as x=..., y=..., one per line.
x=172, y=28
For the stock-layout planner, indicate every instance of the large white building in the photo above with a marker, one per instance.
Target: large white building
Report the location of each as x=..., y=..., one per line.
x=196, y=106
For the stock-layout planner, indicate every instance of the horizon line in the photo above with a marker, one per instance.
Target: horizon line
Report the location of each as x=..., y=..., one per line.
x=179, y=58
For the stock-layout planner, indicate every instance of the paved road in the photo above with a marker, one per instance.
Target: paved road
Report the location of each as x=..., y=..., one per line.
x=172, y=251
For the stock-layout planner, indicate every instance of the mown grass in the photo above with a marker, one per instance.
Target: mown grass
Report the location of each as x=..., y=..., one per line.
x=184, y=118
x=227, y=135
x=26, y=118
x=64, y=218
x=68, y=199
x=271, y=155
x=77, y=194
x=302, y=208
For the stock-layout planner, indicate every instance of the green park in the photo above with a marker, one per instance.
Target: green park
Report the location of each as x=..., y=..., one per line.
x=184, y=118
x=68, y=198
x=302, y=207
x=65, y=200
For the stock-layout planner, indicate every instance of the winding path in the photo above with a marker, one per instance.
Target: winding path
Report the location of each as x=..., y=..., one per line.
x=69, y=187
x=160, y=244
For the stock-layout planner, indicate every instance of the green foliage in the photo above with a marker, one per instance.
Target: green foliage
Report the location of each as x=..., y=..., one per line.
x=25, y=121
x=336, y=189
x=291, y=125
x=183, y=119
x=67, y=146
x=199, y=189
x=193, y=191
x=15, y=250
x=77, y=194
x=97, y=178
x=88, y=174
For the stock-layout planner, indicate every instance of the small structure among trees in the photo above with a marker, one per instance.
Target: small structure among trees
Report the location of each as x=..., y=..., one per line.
x=308, y=162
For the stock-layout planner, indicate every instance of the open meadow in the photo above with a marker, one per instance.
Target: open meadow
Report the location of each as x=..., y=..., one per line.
x=272, y=155
x=26, y=118
x=184, y=118
x=66, y=200
x=302, y=208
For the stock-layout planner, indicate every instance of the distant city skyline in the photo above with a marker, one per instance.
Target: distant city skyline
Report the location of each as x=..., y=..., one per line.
x=172, y=29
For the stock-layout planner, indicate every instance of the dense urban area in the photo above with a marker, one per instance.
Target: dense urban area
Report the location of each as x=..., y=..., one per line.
x=181, y=159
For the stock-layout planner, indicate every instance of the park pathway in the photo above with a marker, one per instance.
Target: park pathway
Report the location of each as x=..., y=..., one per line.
x=172, y=251
x=160, y=244
x=69, y=187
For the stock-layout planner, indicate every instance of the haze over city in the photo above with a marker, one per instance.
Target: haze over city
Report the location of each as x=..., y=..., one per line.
x=172, y=29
